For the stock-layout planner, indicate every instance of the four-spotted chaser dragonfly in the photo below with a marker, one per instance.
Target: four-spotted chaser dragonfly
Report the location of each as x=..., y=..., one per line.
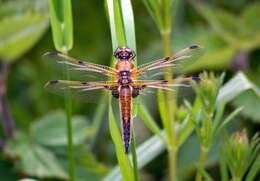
x=125, y=81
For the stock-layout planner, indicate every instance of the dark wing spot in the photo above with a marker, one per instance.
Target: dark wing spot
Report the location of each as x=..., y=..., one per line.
x=54, y=82
x=81, y=63
x=164, y=82
x=194, y=46
x=195, y=78
x=166, y=59
x=84, y=83
x=53, y=53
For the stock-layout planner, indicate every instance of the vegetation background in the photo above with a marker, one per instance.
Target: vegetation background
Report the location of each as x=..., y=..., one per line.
x=33, y=137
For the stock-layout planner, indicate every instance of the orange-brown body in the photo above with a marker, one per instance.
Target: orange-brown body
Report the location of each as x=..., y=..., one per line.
x=124, y=79
x=124, y=67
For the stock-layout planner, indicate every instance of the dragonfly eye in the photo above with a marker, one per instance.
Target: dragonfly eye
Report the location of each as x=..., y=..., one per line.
x=124, y=53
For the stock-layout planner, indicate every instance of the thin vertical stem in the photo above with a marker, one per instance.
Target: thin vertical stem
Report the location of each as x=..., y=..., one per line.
x=203, y=156
x=172, y=149
x=68, y=107
x=8, y=123
x=236, y=179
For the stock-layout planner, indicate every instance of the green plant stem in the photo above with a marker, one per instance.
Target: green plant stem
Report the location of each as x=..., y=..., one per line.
x=68, y=107
x=172, y=135
x=166, y=40
x=203, y=156
x=172, y=151
x=236, y=179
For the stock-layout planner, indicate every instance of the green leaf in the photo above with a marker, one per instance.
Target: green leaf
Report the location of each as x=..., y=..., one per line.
x=241, y=32
x=19, y=33
x=123, y=159
x=34, y=160
x=225, y=122
x=254, y=169
x=242, y=93
x=250, y=15
x=203, y=172
x=223, y=165
x=150, y=122
x=51, y=130
x=123, y=34
x=146, y=152
x=62, y=25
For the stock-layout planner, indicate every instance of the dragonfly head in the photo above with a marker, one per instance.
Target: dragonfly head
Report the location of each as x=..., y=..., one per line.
x=124, y=53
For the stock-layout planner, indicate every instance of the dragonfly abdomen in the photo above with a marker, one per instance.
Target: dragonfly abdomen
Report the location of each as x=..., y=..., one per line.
x=125, y=98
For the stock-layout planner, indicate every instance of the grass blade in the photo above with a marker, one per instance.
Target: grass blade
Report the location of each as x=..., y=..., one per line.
x=123, y=159
x=203, y=172
x=150, y=123
x=123, y=34
x=223, y=165
x=146, y=152
x=62, y=31
x=134, y=157
x=62, y=25
x=254, y=169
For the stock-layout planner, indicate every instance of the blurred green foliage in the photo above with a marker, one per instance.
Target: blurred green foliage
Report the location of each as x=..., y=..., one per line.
x=228, y=30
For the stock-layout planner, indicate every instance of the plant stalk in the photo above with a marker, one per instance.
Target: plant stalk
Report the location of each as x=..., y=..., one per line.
x=236, y=179
x=173, y=148
x=68, y=107
x=203, y=156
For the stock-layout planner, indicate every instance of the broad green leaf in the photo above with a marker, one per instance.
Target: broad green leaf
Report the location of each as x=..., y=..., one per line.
x=51, y=130
x=249, y=19
x=217, y=55
x=62, y=24
x=34, y=160
x=242, y=93
x=146, y=152
x=223, y=22
x=19, y=33
x=241, y=32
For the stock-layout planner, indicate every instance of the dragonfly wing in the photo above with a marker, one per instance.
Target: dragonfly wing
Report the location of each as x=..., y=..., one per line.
x=150, y=88
x=78, y=70
x=81, y=91
x=174, y=64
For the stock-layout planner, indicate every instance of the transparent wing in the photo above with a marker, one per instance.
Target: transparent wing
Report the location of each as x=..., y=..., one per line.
x=78, y=70
x=81, y=91
x=175, y=64
x=148, y=90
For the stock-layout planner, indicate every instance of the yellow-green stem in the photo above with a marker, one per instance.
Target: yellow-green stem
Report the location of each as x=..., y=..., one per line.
x=203, y=156
x=68, y=107
x=236, y=179
x=172, y=149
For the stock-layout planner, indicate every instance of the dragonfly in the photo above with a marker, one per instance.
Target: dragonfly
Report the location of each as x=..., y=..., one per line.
x=124, y=82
